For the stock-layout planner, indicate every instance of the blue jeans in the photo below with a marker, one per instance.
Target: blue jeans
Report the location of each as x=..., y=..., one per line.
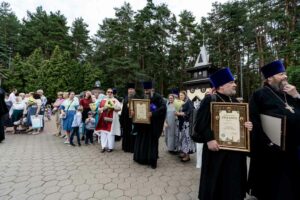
x=75, y=131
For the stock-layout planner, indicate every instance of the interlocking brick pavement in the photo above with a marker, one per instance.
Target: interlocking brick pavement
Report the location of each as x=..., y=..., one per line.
x=41, y=167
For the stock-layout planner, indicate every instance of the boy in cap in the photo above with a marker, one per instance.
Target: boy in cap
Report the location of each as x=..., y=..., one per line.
x=89, y=128
x=274, y=172
x=223, y=172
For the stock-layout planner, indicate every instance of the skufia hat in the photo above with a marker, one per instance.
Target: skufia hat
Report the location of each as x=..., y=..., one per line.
x=221, y=77
x=272, y=69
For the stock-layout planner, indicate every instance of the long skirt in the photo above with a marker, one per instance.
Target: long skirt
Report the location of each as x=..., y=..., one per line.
x=186, y=144
x=172, y=136
x=67, y=122
x=16, y=115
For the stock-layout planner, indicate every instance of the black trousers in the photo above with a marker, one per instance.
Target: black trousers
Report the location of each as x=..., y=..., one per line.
x=75, y=131
x=2, y=134
x=89, y=136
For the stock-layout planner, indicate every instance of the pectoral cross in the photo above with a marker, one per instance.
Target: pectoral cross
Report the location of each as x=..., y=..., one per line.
x=290, y=108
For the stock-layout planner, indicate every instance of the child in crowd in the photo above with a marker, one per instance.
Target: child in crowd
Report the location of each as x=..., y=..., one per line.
x=89, y=128
x=48, y=112
x=75, y=126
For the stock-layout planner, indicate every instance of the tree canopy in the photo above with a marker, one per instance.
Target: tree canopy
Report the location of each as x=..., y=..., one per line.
x=41, y=51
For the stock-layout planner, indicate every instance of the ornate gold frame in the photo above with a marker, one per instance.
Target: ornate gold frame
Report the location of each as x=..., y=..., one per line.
x=242, y=109
x=146, y=119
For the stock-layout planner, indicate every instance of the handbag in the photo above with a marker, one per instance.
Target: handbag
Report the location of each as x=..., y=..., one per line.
x=37, y=122
x=62, y=116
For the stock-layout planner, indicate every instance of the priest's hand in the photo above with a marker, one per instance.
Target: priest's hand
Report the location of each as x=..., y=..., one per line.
x=248, y=125
x=149, y=114
x=291, y=90
x=213, y=145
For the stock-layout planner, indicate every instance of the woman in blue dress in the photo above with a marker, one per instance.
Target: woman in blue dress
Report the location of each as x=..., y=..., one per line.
x=68, y=110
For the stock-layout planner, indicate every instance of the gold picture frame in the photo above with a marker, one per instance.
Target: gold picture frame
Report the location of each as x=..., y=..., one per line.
x=141, y=109
x=227, y=121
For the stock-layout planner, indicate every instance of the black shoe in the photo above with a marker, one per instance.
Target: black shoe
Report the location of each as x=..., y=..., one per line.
x=79, y=144
x=72, y=144
x=153, y=166
x=103, y=150
x=109, y=150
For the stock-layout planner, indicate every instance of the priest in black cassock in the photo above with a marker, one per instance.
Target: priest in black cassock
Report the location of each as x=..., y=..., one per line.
x=223, y=172
x=146, y=143
x=3, y=111
x=275, y=173
x=128, y=137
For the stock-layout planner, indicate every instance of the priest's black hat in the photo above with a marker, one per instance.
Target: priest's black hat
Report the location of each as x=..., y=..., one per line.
x=130, y=85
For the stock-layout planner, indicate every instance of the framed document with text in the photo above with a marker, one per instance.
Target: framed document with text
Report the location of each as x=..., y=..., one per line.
x=141, y=109
x=227, y=121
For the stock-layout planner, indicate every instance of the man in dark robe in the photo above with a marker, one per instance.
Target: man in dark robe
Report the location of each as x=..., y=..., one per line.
x=275, y=173
x=128, y=139
x=223, y=172
x=3, y=111
x=146, y=143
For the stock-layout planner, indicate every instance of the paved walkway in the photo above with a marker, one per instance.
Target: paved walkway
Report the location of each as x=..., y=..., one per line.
x=41, y=167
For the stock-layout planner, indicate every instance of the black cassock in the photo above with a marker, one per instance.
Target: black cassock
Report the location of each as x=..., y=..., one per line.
x=128, y=139
x=274, y=174
x=146, y=143
x=223, y=173
x=3, y=111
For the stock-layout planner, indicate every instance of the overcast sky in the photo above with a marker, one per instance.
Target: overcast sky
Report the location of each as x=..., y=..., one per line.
x=94, y=11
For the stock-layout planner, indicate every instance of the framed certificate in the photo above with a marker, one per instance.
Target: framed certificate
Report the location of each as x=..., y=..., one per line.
x=227, y=121
x=141, y=109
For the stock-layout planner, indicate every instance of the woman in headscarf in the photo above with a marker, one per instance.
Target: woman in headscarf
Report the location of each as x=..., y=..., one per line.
x=186, y=144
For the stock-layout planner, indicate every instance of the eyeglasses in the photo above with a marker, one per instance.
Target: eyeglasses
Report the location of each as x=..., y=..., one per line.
x=109, y=92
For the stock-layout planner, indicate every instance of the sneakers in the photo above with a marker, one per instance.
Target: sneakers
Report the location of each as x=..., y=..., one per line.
x=67, y=142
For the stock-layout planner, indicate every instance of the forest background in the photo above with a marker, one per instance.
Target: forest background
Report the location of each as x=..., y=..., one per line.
x=41, y=51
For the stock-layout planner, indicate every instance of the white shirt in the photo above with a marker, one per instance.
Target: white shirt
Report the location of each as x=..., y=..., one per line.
x=77, y=119
x=18, y=106
x=12, y=97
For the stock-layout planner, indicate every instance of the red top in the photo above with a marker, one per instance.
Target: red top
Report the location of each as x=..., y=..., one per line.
x=108, y=114
x=85, y=103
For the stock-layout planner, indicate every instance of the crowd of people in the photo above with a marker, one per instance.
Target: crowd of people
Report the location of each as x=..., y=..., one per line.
x=103, y=117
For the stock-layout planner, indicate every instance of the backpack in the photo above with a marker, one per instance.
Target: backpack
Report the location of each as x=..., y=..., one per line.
x=196, y=136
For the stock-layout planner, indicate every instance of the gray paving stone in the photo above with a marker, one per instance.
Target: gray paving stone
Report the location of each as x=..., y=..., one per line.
x=44, y=168
x=69, y=196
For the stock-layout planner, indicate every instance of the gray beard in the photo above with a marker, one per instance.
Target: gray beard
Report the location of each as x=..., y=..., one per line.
x=278, y=87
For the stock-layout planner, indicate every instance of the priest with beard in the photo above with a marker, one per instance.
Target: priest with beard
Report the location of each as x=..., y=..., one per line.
x=3, y=111
x=147, y=139
x=223, y=172
x=275, y=172
x=128, y=137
